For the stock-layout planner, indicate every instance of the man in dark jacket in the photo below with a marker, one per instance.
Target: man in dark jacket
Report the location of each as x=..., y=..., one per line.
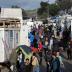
x=69, y=52
x=55, y=64
x=48, y=60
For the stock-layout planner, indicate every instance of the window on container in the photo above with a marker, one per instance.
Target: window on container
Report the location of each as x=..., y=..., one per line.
x=6, y=24
x=1, y=24
x=11, y=34
x=16, y=37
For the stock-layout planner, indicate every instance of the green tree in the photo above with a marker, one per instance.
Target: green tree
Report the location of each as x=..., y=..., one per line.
x=53, y=9
x=64, y=4
x=15, y=6
x=43, y=10
x=24, y=14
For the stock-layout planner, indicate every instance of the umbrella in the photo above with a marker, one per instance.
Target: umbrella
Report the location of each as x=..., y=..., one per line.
x=27, y=51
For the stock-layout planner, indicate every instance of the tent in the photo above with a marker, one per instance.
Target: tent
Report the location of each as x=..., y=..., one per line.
x=27, y=51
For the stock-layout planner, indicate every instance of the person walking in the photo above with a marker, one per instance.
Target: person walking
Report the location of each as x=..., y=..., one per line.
x=48, y=60
x=35, y=63
x=51, y=44
x=61, y=61
x=35, y=44
x=45, y=46
x=55, y=64
x=40, y=48
x=20, y=61
x=27, y=66
x=69, y=52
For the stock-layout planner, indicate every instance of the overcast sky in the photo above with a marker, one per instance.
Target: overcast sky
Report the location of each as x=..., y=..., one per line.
x=26, y=4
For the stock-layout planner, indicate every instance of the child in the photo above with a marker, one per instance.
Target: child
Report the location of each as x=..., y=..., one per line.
x=27, y=65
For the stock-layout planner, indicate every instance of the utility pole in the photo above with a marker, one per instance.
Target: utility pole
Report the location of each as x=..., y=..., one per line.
x=36, y=14
x=48, y=9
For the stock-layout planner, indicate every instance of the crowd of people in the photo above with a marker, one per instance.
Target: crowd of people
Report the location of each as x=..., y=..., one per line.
x=48, y=46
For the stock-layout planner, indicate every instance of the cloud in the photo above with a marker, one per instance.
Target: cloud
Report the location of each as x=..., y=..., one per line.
x=26, y=4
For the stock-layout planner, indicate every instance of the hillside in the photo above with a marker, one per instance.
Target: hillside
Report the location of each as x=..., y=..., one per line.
x=31, y=13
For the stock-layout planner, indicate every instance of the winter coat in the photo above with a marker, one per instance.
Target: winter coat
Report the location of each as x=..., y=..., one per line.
x=55, y=65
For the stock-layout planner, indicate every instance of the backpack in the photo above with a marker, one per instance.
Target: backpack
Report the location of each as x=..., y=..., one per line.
x=35, y=62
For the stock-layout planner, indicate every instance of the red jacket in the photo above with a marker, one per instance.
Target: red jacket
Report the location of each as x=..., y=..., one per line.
x=40, y=46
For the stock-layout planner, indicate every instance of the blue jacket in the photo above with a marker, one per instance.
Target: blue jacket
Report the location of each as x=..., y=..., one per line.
x=31, y=37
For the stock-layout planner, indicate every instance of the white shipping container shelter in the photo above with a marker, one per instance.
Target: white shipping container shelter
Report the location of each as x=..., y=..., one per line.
x=13, y=32
x=7, y=43
x=9, y=37
x=17, y=13
x=24, y=35
x=11, y=13
x=25, y=29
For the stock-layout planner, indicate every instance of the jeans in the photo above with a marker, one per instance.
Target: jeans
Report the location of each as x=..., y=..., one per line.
x=35, y=68
x=61, y=70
